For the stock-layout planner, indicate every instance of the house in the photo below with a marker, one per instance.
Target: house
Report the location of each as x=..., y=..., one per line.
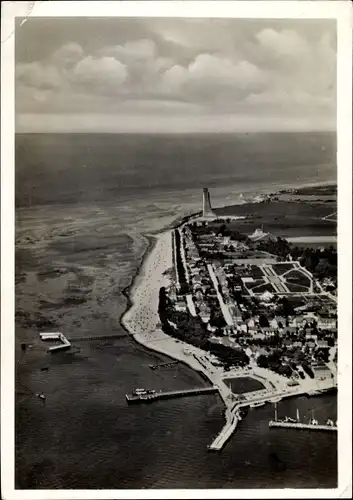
x=310, y=318
x=273, y=323
x=322, y=344
x=291, y=330
x=321, y=371
x=205, y=312
x=267, y=296
x=325, y=322
x=310, y=335
x=281, y=320
x=296, y=321
x=268, y=331
x=180, y=306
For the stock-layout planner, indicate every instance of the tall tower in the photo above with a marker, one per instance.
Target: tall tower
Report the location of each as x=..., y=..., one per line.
x=206, y=204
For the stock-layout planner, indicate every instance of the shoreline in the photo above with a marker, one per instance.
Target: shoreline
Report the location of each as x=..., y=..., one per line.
x=142, y=322
x=128, y=292
x=131, y=290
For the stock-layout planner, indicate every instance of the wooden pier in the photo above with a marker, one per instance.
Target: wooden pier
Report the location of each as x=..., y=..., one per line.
x=150, y=397
x=226, y=432
x=300, y=425
x=65, y=343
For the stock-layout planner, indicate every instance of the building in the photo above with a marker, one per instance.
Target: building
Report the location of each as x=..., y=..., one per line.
x=180, y=306
x=206, y=204
x=326, y=322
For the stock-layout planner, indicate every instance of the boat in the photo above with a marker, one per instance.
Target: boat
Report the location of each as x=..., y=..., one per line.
x=139, y=392
x=276, y=400
x=316, y=392
x=142, y=392
x=256, y=405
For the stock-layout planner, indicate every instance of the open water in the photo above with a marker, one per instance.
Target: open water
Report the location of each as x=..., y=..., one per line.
x=83, y=203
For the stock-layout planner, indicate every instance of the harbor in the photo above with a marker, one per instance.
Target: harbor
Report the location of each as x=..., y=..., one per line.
x=300, y=425
x=313, y=424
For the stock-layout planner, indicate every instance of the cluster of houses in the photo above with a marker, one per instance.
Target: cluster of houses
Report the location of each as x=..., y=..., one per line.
x=303, y=329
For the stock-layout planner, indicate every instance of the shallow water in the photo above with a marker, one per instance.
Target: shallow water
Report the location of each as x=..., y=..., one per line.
x=75, y=254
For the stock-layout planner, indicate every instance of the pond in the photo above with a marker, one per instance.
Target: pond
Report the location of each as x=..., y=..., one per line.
x=240, y=385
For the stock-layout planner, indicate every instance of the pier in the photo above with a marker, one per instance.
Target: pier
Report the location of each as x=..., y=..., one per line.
x=163, y=365
x=65, y=344
x=100, y=337
x=154, y=396
x=225, y=433
x=300, y=425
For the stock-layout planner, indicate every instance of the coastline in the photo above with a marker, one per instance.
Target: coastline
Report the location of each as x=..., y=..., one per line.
x=158, y=341
x=153, y=338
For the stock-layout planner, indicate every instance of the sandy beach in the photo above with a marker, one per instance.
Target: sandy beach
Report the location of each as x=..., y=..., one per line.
x=142, y=319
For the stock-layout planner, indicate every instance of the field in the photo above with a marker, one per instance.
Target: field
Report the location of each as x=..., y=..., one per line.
x=297, y=277
x=253, y=284
x=284, y=218
x=292, y=287
x=266, y=287
x=282, y=268
x=283, y=278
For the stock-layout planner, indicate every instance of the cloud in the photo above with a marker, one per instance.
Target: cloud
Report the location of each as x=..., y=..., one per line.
x=101, y=74
x=210, y=75
x=68, y=55
x=188, y=67
x=283, y=43
x=136, y=50
x=39, y=76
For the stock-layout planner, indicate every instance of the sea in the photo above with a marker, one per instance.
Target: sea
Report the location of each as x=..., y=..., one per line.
x=84, y=205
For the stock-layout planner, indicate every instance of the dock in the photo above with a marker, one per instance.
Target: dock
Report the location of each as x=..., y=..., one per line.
x=65, y=343
x=300, y=425
x=163, y=365
x=225, y=433
x=155, y=396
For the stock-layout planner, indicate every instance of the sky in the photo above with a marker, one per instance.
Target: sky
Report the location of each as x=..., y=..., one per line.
x=174, y=75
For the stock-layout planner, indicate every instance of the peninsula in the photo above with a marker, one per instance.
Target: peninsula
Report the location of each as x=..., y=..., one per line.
x=232, y=304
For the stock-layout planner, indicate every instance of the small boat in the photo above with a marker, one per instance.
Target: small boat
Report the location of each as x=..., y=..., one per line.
x=41, y=396
x=258, y=404
x=44, y=368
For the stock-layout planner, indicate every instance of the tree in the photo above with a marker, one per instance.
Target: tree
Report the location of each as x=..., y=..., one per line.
x=263, y=321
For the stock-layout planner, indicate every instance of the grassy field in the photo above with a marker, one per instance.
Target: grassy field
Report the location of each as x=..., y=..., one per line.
x=281, y=218
x=282, y=268
x=298, y=278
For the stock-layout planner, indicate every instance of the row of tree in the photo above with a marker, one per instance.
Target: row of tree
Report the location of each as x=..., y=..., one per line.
x=193, y=331
x=184, y=286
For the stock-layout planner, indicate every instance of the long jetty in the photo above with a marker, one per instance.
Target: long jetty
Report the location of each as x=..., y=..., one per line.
x=143, y=398
x=225, y=433
x=100, y=337
x=300, y=425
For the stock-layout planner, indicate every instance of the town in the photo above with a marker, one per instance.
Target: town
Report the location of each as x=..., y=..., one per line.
x=252, y=300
